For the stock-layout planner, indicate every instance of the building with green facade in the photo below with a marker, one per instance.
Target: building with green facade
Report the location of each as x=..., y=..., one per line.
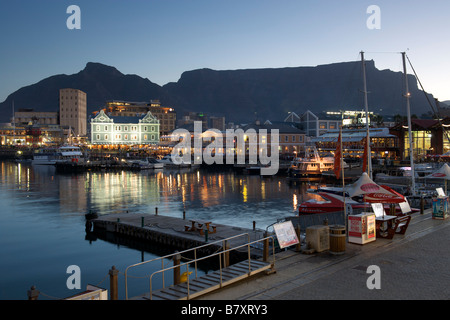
x=114, y=130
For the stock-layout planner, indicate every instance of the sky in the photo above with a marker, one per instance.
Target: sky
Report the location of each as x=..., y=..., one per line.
x=160, y=39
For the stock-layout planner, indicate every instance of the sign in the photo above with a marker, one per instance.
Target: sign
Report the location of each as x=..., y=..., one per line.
x=286, y=234
x=378, y=209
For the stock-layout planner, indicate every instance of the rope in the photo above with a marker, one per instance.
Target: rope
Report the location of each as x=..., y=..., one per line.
x=48, y=296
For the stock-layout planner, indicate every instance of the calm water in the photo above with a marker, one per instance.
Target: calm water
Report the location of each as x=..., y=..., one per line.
x=42, y=224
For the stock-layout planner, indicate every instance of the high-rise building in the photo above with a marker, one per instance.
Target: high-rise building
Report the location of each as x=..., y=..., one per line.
x=73, y=110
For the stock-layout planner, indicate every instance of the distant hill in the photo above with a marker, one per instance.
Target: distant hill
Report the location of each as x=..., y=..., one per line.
x=239, y=95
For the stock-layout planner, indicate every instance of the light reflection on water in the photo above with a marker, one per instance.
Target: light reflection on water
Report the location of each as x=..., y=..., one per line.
x=42, y=217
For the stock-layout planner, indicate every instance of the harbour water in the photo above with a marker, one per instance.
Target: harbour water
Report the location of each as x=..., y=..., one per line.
x=42, y=222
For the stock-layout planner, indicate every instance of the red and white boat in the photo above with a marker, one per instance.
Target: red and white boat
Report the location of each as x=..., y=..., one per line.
x=331, y=200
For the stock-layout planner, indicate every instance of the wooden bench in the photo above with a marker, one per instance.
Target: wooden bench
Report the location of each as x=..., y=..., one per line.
x=401, y=224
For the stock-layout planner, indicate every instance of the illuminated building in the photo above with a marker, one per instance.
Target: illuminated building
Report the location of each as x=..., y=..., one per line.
x=167, y=116
x=121, y=130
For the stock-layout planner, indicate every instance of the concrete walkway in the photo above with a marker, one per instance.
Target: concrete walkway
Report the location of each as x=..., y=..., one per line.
x=411, y=266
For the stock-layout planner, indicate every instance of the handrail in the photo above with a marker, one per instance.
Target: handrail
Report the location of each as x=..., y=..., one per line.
x=220, y=263
x=175, y=253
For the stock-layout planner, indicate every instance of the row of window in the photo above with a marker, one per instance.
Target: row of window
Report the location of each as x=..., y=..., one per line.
x=125, y=128
x=132, y=137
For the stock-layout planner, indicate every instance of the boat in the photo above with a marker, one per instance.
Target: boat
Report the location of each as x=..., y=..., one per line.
x=146, y=164
x=53, y=156
x=168, y=162
x=311, y=166
x=70, y=154
x=45, y=156
x=332, y=200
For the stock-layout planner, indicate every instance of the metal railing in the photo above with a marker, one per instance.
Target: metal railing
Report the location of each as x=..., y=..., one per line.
x=195, y=249
x=220, y=254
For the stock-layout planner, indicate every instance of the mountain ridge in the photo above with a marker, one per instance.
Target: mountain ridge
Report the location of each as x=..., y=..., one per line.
x=241, y=95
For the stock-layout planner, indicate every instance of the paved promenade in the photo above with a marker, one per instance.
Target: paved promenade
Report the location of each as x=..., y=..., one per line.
x=411, y=266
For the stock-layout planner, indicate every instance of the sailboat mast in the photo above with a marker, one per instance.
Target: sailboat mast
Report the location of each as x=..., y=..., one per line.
x=366, y=105
x=411, y=152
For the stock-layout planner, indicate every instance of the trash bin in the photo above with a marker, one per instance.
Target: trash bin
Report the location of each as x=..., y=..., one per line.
x=337, y=239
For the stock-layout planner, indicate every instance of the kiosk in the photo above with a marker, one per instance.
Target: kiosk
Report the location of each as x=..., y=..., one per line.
x=361, y=228
x=440, y=205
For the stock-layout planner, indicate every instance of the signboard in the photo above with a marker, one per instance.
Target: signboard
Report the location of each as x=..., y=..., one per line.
x=378, y=209
x=286, y=234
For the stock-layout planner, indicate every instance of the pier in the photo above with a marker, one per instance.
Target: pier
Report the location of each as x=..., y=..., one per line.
x=172, y=232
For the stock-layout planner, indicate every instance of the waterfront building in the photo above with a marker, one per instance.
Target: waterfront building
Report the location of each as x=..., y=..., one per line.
x=430, y=137
x=73, y=111
x=166, y=115
x=27, y=116
x=125, y=130
x=383, y=144
x=291, y=139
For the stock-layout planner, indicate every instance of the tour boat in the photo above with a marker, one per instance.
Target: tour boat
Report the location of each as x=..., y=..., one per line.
x=53, y=156
x=311, y=166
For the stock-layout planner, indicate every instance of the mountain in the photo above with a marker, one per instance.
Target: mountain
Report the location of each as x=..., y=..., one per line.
x=100, y=82
x=239, y=95
x=272, y=93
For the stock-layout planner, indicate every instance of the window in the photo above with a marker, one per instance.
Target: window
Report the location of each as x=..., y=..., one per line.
x=145, y=128
x=98, y=128
x=293, y=138
x=97, y=137
x=145, y=137
x=153, y=137
x=153, y=128
x=106, y=128
x=106, y=137
x=286, y=138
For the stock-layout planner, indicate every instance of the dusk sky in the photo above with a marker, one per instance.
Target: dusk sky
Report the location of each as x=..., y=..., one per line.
x=161, y=39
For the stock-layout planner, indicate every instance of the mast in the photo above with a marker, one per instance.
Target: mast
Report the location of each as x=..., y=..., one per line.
x=366, y=105
x=411, y=150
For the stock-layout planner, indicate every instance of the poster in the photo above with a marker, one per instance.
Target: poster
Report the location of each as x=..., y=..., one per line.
x=286, y=234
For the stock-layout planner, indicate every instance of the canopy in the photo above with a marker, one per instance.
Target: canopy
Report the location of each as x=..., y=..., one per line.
x=373, y=192
x=443, y=172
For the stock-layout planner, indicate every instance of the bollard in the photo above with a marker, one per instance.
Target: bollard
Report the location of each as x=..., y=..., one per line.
x=142, y=222
x=113, y=284
x=206, y=235
x=184, y=215
x=266, y=250
x=254, y=225
x=156, y=211
x=176, y=271
x=226, y=256
x=33, y=293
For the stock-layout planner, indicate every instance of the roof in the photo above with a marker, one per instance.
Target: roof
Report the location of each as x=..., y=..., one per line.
x=282, y=127
x=352, y=135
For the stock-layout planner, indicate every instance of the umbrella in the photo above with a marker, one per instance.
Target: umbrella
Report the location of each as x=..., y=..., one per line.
x=443, y=172
x=373, y=192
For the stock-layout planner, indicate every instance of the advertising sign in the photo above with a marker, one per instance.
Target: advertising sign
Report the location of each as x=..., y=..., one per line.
x=286, y=234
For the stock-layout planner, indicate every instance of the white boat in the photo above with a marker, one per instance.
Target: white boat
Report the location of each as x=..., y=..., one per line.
x=70, y=154
x=52, y=156
x=146, y=164
x=311, y=166
x=168, y=162
x=45, y=156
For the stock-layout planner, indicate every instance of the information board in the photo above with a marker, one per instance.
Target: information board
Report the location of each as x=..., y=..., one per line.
x=286, y=234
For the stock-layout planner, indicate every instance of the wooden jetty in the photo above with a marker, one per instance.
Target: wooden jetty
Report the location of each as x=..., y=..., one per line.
x=173, y=232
